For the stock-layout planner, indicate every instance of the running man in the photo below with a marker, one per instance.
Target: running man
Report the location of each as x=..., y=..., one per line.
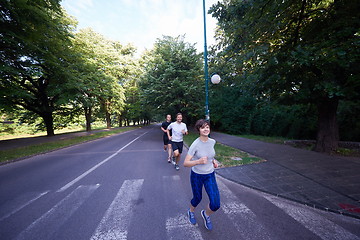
x=167, y=142
x=178, y=129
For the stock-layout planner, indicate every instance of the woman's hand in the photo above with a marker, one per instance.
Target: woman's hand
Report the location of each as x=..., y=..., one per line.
x=202, y=160
x=215, y=163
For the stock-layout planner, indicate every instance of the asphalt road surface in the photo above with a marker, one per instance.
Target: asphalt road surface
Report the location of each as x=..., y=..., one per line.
x=121, y=187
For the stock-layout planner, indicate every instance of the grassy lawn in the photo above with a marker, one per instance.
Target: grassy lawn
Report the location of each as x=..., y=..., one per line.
x=24, y=131
x=12, y=154
x=226, y=155
x=279, y=140
x=341, y=151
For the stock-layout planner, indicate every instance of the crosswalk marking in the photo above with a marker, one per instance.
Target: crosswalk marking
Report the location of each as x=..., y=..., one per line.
x=319, y=225
x=12, y=206
x=119, y=215
x=117, y=218
x=244, y=220
x=56, y=216
x=179, y=228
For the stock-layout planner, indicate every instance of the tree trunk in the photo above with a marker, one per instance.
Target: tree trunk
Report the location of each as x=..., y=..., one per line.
x=49, y=123
x=88, y=117
x=120, y=120
x=327, y=139
x=108, y=120
x=106, y=105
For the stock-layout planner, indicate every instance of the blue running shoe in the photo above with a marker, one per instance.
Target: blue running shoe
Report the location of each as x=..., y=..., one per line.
x=177, y=167
x=191, y=216
x=207, y=220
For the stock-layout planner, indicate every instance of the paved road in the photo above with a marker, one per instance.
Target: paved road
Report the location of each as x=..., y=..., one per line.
x=121, y=187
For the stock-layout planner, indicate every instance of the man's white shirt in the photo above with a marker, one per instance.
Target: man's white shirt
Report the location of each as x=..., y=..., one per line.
x=177, y=128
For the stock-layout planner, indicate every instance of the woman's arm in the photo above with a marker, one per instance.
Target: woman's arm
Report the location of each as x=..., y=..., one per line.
x=189, y=163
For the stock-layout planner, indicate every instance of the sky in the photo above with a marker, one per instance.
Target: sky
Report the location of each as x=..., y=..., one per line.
x=141, y=22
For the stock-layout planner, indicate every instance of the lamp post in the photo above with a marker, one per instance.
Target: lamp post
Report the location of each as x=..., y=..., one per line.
x=215, y=79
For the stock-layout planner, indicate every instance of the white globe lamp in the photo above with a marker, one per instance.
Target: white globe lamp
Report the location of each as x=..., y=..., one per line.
x=215, y=79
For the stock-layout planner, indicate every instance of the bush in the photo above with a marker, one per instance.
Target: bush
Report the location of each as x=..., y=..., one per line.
x=349, y=120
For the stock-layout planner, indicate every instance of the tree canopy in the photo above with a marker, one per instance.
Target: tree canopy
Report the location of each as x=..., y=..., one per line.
x=172, y=78
x=35, y=49
x=295, y=52
x=48, y=69
x=288, y=68
x=104, y=68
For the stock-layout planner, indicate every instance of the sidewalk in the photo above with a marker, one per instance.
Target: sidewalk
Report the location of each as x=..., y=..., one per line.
x=318, y=180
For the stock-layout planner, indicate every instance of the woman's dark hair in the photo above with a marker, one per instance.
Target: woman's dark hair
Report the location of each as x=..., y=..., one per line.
x=200, y=124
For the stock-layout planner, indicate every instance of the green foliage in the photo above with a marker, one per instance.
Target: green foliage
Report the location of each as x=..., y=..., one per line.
x=236, y=112
x=301, y=50
x=296, y=121
x=35, y=50
x=231, y=110
x=133, y=109
x=48, y=71
x=302, y=53
x=171, y=81
x=104, y=69
x=349, y=123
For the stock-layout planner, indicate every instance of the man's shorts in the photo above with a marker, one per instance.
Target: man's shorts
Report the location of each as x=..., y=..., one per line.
x=166, y=140
x=177, y=146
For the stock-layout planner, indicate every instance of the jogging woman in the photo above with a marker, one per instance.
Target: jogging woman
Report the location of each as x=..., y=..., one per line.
x=200, y=158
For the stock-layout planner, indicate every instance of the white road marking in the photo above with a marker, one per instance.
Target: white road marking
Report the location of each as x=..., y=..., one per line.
x=117, y=218
x=55, y=217
x=317, y=224
x=179, y=227
x=14, y=202
x=174, y=177
x=97, y=165
x=244, y=220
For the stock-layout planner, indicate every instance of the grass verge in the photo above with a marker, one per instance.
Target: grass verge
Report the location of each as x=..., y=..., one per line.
x=227, y=156
x=18, y=153
x=278, y=140
x=303, y=144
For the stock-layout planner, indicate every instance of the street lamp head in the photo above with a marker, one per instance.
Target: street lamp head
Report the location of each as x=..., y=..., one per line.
x=215, y=79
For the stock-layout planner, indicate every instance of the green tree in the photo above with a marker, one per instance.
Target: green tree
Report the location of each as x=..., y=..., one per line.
x=133, y=110
x=104, y=68
x=172, y=80
x=34, y=51
x=295, y=52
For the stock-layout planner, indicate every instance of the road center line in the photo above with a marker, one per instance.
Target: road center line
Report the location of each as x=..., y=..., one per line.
x=97, y=165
